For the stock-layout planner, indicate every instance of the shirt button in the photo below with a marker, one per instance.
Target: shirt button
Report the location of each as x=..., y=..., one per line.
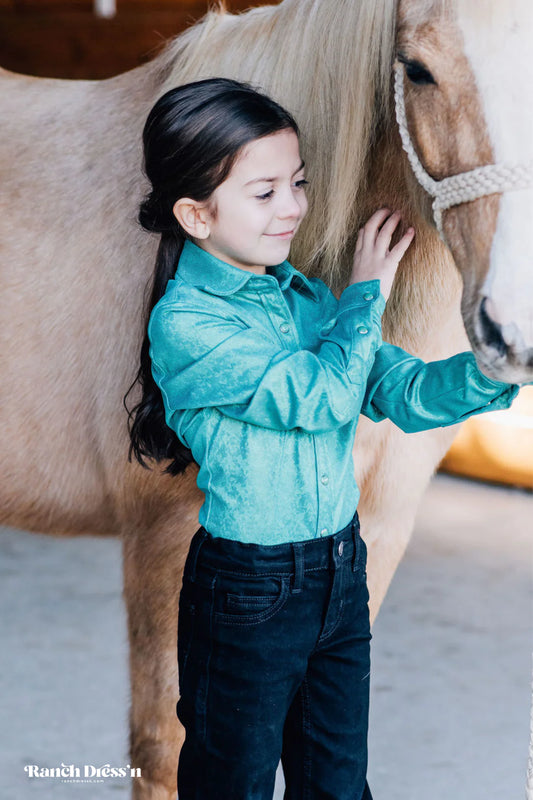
x=368, y=296
x=362, y=329
x=325, y=480
x=284, y=327
x=341, y=548
x=323, y=532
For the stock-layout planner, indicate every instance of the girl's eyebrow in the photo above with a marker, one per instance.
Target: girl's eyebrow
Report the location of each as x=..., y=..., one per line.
x=270, y=180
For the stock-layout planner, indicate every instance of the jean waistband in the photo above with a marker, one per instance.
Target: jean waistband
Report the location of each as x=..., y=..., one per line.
x=227, y=555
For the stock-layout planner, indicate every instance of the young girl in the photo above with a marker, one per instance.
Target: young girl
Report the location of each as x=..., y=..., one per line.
x=259, y=374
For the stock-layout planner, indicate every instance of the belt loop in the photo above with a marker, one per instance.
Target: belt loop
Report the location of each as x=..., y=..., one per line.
x=196, y=543
x=298, y=553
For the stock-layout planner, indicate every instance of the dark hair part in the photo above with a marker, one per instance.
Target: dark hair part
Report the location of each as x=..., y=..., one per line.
x=192, y=137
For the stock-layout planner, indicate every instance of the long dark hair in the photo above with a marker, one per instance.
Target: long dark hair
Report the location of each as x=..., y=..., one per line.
x=191, y=139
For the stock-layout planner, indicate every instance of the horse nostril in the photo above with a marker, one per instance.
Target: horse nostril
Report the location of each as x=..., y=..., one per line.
x=491, y=331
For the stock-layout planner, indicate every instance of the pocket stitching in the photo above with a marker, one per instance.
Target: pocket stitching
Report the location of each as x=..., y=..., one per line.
x=261, y=616
x=245, y=599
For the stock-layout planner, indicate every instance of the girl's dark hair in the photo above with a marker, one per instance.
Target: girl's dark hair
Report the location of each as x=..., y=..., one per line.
x=191, y=139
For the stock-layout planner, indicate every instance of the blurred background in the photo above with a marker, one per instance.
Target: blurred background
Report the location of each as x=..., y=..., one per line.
x=452, y=644
x=92, y=38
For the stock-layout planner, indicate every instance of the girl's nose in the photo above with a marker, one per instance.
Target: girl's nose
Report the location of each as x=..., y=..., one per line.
x=289, y=205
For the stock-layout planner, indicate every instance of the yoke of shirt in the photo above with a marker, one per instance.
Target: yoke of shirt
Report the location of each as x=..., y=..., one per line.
x=283, y=302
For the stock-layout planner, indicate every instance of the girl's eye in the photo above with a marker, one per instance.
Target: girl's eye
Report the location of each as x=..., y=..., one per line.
x=298, y=185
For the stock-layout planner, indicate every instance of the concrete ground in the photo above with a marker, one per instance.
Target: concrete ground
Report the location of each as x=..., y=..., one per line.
x=451, y=680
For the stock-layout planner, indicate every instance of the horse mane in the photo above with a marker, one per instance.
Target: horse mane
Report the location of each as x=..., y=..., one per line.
x=329, y=63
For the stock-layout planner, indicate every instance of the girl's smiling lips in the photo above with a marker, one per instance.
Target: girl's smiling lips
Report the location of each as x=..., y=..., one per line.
x=282, y=235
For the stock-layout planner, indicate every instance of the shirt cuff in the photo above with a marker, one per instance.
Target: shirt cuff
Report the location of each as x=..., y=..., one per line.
x=359, y=295
x=495, y=384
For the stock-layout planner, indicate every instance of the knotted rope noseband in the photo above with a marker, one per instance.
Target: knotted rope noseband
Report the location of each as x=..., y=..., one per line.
x=457, y=189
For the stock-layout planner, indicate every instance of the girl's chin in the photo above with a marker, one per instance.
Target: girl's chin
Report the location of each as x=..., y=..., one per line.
x=276, y=245
x=273, y=260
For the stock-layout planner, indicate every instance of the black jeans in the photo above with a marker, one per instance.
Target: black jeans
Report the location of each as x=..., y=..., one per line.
x=274, y=662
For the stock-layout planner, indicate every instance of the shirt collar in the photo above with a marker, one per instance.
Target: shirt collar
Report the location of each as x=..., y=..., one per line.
x=215, y=276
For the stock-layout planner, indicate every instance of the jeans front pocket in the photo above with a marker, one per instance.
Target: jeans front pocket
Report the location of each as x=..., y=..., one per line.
x=249, y=600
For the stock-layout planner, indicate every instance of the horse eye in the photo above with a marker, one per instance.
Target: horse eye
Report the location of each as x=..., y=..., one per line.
x=417, y=73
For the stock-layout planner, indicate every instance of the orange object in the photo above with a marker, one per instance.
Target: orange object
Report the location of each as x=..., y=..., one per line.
x=497, y=446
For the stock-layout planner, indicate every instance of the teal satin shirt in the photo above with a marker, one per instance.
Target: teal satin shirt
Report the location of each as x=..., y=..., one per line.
x=263, y=377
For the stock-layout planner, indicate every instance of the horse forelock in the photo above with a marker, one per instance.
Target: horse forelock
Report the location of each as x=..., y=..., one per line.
x=329, y=63
x=419, y=12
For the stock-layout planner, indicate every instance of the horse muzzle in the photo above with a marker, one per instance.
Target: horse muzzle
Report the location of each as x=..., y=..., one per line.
x=502, y=347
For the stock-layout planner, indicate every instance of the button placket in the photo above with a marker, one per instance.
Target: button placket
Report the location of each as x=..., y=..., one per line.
x=277, y=309
x=323, y=480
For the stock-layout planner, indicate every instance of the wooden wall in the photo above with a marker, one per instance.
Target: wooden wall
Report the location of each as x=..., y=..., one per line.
x=64, y=38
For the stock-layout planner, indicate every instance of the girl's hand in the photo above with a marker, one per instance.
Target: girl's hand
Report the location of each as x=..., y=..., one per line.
x=372, y=258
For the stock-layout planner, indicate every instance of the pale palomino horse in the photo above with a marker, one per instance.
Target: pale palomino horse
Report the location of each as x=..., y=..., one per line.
x=75, y=266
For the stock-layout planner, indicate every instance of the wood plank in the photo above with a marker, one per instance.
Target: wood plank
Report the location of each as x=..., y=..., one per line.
x=74, y=43
x=45, y=6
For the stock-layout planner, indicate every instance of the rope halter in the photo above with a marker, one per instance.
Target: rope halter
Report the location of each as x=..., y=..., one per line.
x=462, y=188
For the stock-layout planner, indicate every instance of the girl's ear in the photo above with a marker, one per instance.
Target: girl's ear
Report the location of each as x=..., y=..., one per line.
x=192, y=216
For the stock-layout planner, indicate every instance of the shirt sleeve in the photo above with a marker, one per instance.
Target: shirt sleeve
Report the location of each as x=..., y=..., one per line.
x=201, y=359
x=418, y=396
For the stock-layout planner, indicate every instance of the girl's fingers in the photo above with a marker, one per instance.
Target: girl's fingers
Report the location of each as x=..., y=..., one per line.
x=386, y=232
x=399, y=250
x=372, y=226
